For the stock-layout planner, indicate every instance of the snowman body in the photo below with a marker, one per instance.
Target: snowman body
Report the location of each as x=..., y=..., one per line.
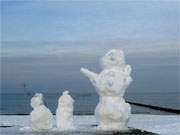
x=64, y=112
x=112, y=112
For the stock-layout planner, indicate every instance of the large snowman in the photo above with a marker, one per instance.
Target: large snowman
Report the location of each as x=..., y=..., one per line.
x=112, y=112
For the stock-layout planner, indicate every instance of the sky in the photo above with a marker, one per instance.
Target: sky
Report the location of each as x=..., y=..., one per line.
x=46, y=42
x=59, y=20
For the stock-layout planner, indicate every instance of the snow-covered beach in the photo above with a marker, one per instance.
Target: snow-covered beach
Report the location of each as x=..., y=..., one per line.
x=161, y=124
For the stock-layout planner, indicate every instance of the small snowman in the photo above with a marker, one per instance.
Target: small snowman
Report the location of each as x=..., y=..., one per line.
x=41, y=117
x=64, y=112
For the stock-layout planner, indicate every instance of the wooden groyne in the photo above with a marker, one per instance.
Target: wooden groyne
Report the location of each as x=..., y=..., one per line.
x=176, y=111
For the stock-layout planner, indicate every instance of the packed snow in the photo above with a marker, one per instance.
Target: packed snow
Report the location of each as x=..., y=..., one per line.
x=112, y=112
x=41, y=117
x=162, y=124
x=64, y=112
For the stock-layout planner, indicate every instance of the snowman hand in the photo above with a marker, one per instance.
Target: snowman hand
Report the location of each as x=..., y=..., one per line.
x=84, y=71
x=91, y=75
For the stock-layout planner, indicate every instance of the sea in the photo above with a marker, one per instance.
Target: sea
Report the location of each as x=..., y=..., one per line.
x=52, y=67
x=85, y=103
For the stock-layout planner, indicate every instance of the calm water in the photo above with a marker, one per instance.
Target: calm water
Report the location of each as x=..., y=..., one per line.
x=86, y=102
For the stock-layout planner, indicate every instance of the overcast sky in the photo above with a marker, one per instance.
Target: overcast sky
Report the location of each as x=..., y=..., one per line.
x=45, y=43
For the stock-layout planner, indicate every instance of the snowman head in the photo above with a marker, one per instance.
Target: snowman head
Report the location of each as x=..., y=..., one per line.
x=66, y=100
x=37, y=100
x=114, y=57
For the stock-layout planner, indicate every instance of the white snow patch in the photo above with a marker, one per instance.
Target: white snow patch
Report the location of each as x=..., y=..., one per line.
x=162, y=124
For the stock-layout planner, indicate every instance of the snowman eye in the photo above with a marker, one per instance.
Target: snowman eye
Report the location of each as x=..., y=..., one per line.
x=112, y=58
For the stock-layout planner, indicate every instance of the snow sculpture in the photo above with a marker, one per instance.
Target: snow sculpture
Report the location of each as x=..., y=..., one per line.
x=64, y=112
x=112, y=112
x=41, y=117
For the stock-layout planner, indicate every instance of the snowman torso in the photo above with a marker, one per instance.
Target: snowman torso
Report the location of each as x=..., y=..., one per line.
x=110, y=82
x=41, y=118
x=64, y=117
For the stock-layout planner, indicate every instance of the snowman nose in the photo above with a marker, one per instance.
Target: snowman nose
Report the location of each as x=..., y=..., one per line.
x=110, y=83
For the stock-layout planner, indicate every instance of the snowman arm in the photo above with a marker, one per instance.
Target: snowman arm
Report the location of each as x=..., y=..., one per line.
x=128, y=69
x=128, y=81
x=91, y=75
